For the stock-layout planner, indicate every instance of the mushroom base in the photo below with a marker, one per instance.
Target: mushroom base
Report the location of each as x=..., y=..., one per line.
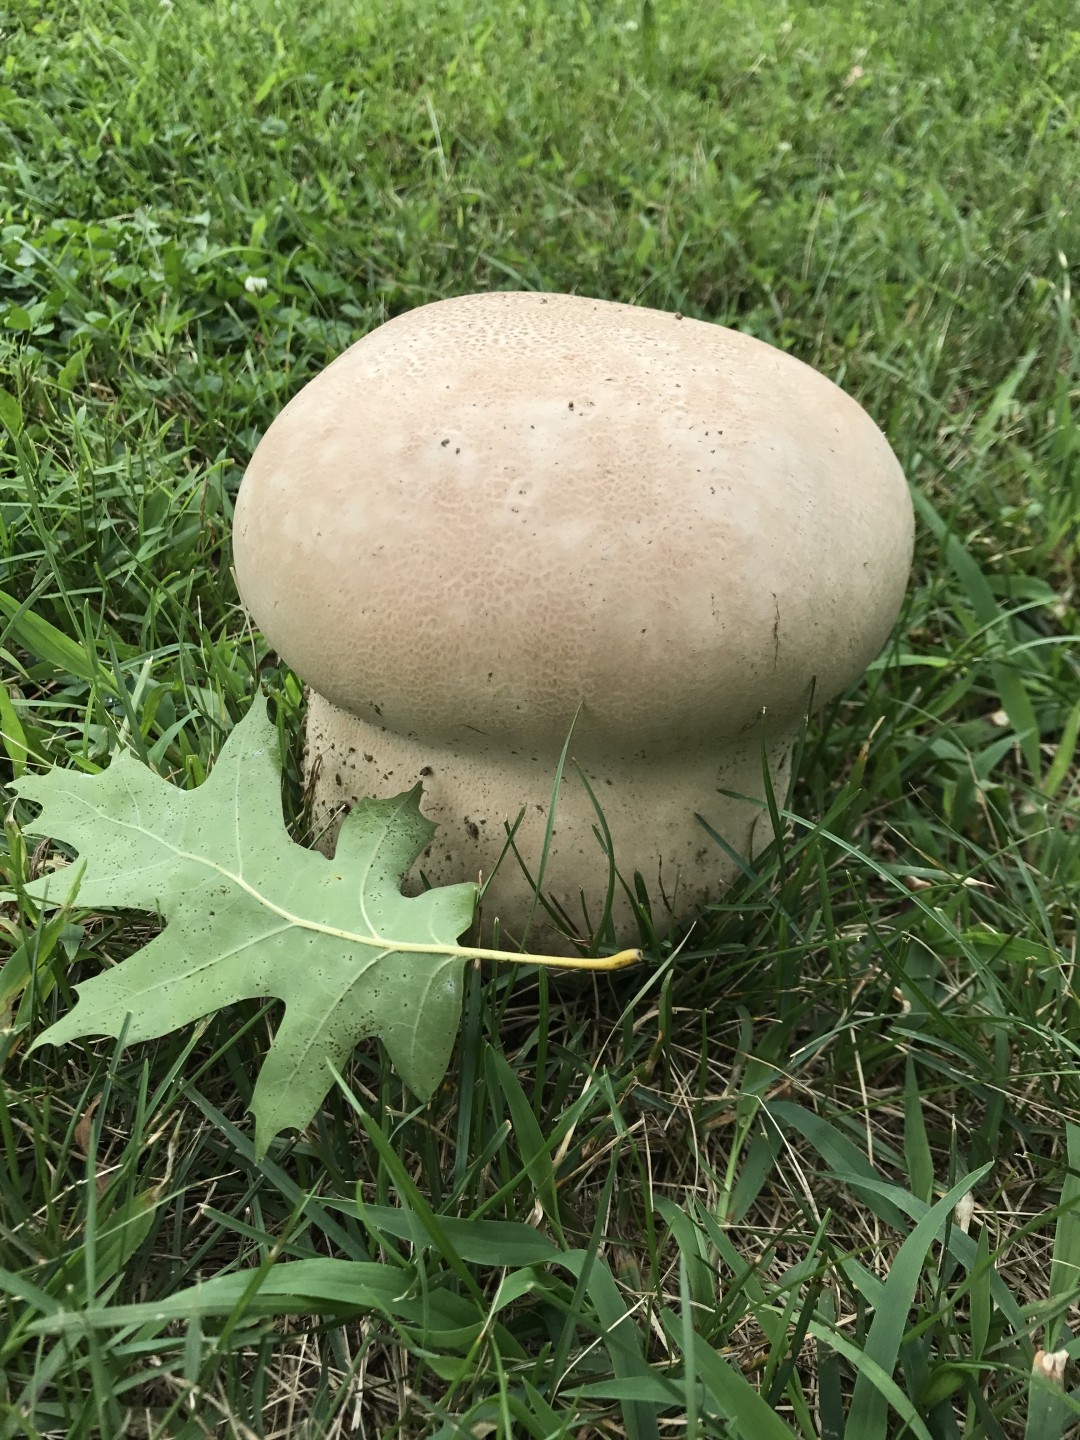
x=650, y=810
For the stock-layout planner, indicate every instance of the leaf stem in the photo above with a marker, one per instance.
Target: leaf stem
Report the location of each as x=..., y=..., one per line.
x=575, y=962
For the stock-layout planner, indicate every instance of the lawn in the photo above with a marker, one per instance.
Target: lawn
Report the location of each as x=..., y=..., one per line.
x=812, y=1170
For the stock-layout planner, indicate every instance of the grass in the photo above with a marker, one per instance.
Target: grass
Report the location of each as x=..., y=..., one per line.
x=723, y=1194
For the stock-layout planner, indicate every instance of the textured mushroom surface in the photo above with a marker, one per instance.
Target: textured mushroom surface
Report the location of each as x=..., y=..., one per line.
x=497, y=509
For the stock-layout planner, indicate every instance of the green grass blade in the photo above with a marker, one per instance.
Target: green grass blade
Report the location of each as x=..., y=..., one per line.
x=734, y=1399
x=1065, y=1261
x=868, y=1416
x=920, y=1163
x=532, y=1146
x=877, y=1380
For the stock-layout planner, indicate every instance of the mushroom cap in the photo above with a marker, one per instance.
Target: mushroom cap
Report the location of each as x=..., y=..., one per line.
x=496, y=508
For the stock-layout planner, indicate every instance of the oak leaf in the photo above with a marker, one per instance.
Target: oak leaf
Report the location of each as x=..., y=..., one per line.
x=250, y=913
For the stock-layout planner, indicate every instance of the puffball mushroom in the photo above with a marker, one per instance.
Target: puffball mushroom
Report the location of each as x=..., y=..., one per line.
x=500, y=512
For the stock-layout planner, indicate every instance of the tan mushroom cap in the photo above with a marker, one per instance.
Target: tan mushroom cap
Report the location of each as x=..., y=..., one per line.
x=497, y=507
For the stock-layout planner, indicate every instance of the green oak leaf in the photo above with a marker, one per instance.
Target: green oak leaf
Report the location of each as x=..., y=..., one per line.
x=250, y=913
